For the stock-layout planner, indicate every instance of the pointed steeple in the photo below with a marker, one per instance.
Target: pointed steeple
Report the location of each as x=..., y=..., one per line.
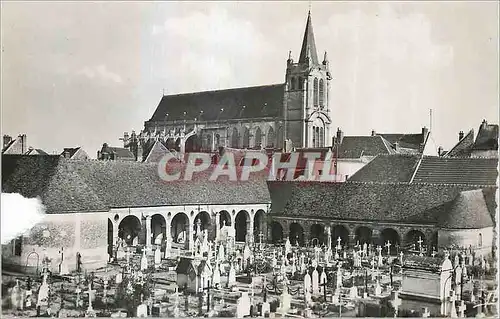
x=308, y=44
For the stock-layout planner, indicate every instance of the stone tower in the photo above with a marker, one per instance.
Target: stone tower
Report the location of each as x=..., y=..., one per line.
x=307, y=84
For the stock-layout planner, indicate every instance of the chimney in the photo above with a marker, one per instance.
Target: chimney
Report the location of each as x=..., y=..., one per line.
x=340, y=135
x=460, y=135
x=440, y=151
x=425, y=132
x=396, y=146
x=24, y=143
x=6, y=140
x=484, y=124
x=374, y=133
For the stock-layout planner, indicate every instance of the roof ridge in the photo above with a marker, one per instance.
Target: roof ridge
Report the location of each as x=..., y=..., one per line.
x=224, y=90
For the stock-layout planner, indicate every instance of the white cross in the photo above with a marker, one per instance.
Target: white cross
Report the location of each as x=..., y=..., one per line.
x=90, y=291
x=339, y=241
x=461, y=309
x=420, y=241
x=433, y=253
x=379, y=249
x=396, y=302
x=388, y=246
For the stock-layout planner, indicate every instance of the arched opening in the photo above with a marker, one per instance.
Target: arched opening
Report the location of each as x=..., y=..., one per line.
x=314, y=137
x=110, y=237
x=433, y=242
x=276, y=232
x=390, y=236
x=129, y=230
x=258, y=226
x=296, y=234
x=315, y=92
x=270, y=137
x=217, y=141
x=177, y=146
x=235, y=138
x=224, y=218
x=321, y=93
x=241, y=225
x=178, y=228
x=170, y=143
x=208, y=142
x=246, y=137
x=321, y=137
x=258, y=138
x=301, y=83
x=201, y=223
x=340, y=231
x=363, y=235
x=280, y=139
x=414, y=240
x=317, y=235
x=193, y=144
x=292, y=83
x=158, y=228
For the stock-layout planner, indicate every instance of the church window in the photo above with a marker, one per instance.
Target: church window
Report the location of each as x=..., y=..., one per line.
x=217, y=140
x=258, y=137
x=321, y=137
x=315, y=92
x=234, y=138
x=246, y=138
x=292, y=83
x=321, y=93
x=314, y=137
x=270, y=137
x=301, y=83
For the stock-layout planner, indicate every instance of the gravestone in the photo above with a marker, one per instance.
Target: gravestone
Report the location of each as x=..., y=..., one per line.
x=43, y=293
x=243, y=305
x=144, y=261
x=17, y=296
x=157, y=258
x=323, y=279
x=378, y=289
x=307, y=283
x=231, y=279
x=63, y=266
x=142, y=311
x=265, y=309
x=285, y=302
x=118, y=278
x=315, y=282
x=353, y=292
x=120, y=252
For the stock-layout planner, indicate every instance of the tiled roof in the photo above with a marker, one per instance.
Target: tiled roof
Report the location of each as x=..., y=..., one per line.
x=487, y=137
x=400, y=202
x=155, y=152
x=240, y=103
x=472, y=171
x=357, y=146
x=36, y=151
x=464, y=147
x=388, y=168
x=70, y=150
x=49, y=177
x=467, y=210
x=121, y=153
x=72, y=185
x=412, y=141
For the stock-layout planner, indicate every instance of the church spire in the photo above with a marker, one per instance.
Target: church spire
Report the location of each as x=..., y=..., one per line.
x=308, y=44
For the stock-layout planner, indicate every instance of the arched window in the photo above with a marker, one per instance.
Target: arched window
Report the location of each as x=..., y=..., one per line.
x=301, y=83
x=315, y=92
x=321, y=137
x=234, y=138
x=292, y=83
x=480, y=242
x=314, y=136
x=270, y=137
x=217, y=140
x=246, y=137
x=258, y=137
x=321, y=93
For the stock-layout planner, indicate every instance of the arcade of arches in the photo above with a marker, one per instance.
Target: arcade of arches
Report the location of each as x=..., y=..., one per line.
x=312, y=233
x=182, y=227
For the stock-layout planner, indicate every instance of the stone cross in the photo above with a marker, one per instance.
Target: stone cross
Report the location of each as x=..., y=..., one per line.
x=339, y=240
x=396, y=303
x=90, y=292
x=379, y=249
x=420, y=241
x=461, y=309
x=401, y=258
x=433, y=252
x=388, y=246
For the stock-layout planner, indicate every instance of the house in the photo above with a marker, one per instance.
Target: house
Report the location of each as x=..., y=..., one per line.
x=75, y=153
x=35, y=151
x=485, y=144
x=18, y=145
x=115, y=154
x=193, y=274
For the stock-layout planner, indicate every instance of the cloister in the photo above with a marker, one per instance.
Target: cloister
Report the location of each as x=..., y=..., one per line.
x=315, y=232
x=150, y=226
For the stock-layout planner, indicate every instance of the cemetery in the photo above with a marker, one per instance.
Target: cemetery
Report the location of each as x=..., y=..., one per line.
x=225, y=278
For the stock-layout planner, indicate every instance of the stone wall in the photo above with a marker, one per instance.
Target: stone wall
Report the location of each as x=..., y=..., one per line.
x=466, y=238
x=85, y=233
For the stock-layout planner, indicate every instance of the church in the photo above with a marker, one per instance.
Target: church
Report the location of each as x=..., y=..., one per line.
x=250, y=117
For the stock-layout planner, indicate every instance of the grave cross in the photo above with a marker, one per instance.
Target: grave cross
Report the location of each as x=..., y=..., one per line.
x=379, y=249
x=90, y=292
x=420, y=241
x=209, y=286
x=324, y=284
x=388, y=246
x=396, y=303
x=339, y=240
x=433, y=252
x=461, y=309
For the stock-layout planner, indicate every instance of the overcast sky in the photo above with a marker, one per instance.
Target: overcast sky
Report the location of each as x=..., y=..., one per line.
x=80, y=74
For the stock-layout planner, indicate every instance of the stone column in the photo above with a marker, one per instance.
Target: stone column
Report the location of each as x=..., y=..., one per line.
x=377, y=237
x=115, y=233
x=307, y=237
x=148, y=232
x=328, y=230
x=352, y=240
x=217, y=225
x=189, y=244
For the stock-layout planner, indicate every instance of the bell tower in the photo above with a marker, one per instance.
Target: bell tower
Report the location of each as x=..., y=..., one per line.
x=307, y=85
